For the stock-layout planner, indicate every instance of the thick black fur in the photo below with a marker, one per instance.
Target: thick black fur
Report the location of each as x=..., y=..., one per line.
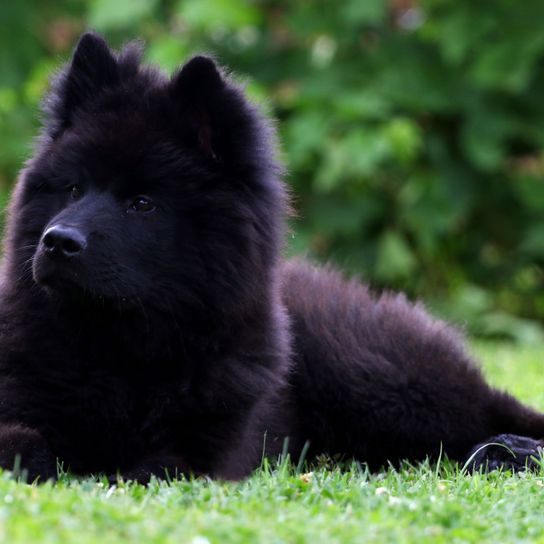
x=148, y=324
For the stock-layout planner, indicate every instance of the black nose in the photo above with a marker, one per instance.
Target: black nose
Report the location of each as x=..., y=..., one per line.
x=62, y=242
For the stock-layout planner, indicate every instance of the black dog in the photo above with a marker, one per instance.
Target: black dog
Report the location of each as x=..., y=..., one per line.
x=148, y=324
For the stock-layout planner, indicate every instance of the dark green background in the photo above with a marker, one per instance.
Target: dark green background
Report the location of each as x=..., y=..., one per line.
x=413, y=131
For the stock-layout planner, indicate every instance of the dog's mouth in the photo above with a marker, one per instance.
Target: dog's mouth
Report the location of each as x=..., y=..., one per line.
x=69, y=283
x=55, y=278
x=66, y=289
x=69, y=292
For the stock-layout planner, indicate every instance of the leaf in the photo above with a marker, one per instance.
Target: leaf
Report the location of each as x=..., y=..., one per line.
x=395, y=258
x=404, y=138
x=506, y=66
x=108, y=15
x=484, y=135
x=305, y=136
x=533, y=241
x=502, y=324
x=167, y=51
x=8, y=99
x=362, y=104
x=356, y=12
x=217, y=14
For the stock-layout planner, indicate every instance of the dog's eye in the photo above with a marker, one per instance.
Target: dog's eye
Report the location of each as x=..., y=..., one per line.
x=142, y=204
x=75, y=192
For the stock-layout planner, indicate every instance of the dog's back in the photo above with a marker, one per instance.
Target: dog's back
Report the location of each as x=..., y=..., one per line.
x=378, y=379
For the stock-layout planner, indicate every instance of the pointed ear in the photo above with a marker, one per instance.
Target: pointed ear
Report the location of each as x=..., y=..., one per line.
x=92, y=68
x=197, y=89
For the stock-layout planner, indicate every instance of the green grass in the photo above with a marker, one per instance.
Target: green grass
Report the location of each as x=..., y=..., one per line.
x=417, y=504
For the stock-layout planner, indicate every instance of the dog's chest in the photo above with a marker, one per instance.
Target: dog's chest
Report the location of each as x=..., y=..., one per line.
x=104, y=418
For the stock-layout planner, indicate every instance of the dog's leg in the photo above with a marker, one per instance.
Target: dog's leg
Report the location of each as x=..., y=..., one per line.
x=508, y=451
x=25, y=452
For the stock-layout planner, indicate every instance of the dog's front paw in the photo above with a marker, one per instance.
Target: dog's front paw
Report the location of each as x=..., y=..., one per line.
x=508, y=451
x=26, y=453
x=162, y=467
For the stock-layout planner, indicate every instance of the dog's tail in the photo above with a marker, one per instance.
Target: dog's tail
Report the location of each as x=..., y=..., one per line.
x=511, y=416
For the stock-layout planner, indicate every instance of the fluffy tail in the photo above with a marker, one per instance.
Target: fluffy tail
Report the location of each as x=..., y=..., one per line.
x=508, y=415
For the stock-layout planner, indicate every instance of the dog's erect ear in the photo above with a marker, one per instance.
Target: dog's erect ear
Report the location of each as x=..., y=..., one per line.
x=93, y=67
x=197, y=89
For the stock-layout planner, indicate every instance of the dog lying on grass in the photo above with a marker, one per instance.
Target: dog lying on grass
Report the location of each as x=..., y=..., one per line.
x=148, y=324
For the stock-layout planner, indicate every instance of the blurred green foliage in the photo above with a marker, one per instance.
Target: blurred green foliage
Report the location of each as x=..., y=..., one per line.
x=413, y=130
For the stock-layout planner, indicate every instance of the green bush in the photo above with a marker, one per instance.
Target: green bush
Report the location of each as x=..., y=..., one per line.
x=413, y=131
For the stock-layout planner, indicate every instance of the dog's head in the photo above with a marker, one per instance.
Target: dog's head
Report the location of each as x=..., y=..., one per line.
x=147, y=190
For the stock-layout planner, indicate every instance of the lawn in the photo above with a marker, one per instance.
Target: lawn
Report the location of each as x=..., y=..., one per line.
x=418, y=504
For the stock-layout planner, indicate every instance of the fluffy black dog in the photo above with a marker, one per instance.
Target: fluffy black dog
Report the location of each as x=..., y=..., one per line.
x=148, y=324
